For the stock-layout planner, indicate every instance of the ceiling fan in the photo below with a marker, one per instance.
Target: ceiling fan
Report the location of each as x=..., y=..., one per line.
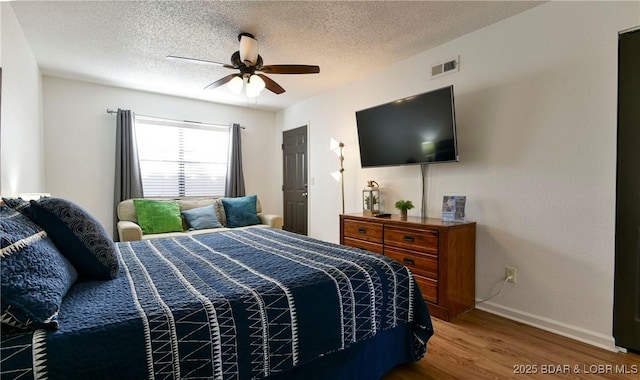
x=250, y=64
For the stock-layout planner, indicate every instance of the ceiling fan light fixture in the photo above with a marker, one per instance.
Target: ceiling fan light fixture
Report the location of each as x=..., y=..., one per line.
x=251, y=93
x=255, y=85
x=235, y=85
x=248, y=50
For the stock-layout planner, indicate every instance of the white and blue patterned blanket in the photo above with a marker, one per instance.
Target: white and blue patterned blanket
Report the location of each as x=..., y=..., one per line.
x=233, y=305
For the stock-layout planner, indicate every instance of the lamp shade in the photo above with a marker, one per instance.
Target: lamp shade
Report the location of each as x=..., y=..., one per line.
x=235, y=85
x=248, y=50
x=254, y=86
x=257, y=82
x=251, y=91
x=336, y=147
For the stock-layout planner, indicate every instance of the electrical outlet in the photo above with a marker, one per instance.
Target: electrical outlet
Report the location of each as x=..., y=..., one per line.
x=510, y=272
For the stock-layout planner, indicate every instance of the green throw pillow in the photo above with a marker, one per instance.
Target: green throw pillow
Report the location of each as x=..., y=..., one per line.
x=155, y=217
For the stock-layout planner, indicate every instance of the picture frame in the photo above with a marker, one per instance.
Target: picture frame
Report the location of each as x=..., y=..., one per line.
x=453, y=208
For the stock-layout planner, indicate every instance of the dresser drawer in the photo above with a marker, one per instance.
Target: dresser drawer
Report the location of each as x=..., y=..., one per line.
x=428, y=288
x=419, y=263
x=412, y=238
x=363, y=244
x=363, y=230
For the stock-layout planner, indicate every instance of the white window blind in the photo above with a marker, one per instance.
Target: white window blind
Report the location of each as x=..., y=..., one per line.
x=182, y=159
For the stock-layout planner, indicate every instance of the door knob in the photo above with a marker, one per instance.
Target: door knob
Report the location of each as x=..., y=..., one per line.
x=304, y=195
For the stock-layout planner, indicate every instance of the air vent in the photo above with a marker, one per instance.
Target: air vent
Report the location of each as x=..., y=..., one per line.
x=449, y=66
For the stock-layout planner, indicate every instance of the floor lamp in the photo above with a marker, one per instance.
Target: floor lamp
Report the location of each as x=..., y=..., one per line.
x=338, y=148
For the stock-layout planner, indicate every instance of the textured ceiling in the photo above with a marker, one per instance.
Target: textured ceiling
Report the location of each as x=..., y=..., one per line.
x=124, y=43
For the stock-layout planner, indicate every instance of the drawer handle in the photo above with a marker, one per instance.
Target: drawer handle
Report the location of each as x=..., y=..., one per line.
x=407, y=260
x=362, y=230
x=408, y=238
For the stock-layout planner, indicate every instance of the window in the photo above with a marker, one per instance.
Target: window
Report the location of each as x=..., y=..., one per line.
x=181, y=158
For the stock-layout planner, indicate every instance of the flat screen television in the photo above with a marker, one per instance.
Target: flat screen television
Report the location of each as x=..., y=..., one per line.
x=419, y=129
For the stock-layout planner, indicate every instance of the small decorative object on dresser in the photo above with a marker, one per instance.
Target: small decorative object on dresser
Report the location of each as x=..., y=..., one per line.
x=453, y=208
x=441, y=255
x=371, y=198
x=404, y=206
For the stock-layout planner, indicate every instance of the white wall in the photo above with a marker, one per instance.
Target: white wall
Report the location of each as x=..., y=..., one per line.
x=80, y=140
x=21, y=154
x=536, y=117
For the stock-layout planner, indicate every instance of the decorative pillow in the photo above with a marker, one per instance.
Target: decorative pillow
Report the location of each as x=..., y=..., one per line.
x=155, y=217
x=219, y=207
x=202, y=217
x=35, y=275
x=79, y=236
x=241, y=211
x=18, y=204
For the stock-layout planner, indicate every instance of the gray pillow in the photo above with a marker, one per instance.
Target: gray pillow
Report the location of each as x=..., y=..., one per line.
x=201, y=218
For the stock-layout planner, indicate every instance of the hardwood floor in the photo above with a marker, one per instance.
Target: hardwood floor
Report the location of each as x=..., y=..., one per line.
x=480, y=345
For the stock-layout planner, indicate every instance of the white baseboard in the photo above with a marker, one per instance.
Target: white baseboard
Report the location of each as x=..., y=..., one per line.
x=580, y=334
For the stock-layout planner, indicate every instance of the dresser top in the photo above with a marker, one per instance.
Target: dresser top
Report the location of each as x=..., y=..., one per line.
x=410, y=220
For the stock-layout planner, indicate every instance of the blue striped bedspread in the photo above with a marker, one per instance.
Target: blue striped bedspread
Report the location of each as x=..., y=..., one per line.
x=232, y=305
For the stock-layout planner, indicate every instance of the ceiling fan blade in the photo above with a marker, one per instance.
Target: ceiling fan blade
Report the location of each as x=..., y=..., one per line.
x=200, y=61
x=290, y=69
x=271, y=85
x=221, y=81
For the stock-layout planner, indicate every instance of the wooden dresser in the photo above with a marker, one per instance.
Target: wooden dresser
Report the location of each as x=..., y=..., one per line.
x=441, y=255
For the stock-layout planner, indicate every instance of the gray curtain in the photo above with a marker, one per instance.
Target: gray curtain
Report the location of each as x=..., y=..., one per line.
x=235, y=178
x=128, y=181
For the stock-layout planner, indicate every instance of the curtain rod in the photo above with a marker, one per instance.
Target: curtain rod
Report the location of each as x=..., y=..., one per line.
x=110, y=111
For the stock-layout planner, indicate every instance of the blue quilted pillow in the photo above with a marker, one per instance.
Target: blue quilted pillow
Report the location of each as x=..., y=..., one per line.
x=79, y=236
x=35, y=276
x=201, y=218
x=241, y=211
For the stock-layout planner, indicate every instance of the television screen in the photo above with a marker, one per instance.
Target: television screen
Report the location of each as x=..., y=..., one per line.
x=419, y=129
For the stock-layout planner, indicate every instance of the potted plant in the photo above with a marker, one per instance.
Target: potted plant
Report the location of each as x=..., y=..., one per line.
x=403, y=206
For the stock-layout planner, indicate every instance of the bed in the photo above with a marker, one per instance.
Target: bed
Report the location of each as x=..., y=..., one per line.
x=246, y=304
